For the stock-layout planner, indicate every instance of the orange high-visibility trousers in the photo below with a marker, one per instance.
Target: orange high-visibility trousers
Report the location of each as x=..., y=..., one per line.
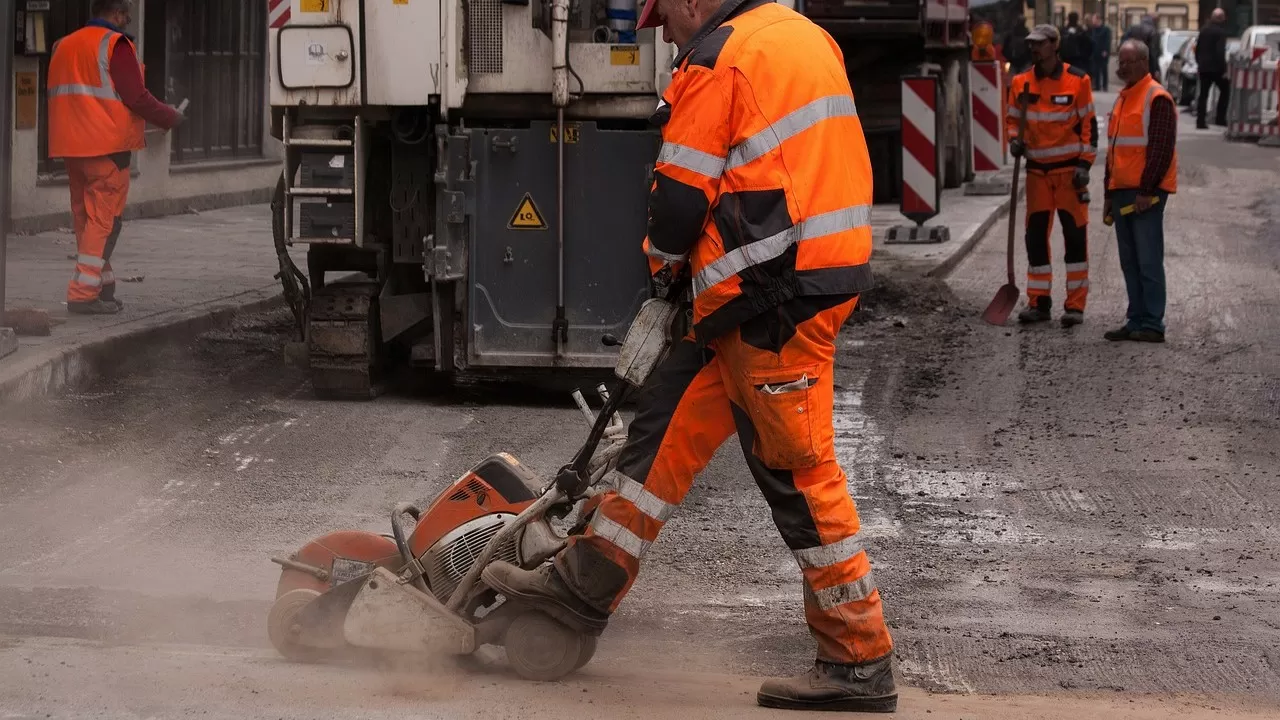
x=1047, y=193
x=771, y=380
x=99, y=191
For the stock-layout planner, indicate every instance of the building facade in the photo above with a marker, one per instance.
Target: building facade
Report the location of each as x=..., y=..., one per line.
x=210, y=52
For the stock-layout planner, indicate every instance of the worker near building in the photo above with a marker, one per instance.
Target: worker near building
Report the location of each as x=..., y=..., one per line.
x=1060, y=145
x=1100, y=68
x=98, y=108
x=763, y=193
x=1211, y=66
x=1014, y=46
x=1077, y=43
x=1147, y=32
x=1141, y=173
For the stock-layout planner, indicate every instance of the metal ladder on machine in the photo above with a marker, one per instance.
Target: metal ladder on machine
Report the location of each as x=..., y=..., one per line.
x=342, y=330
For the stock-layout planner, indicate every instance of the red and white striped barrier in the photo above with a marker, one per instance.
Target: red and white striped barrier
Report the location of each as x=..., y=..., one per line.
x=985, y=93
x=921, y=186
x=1255, y=93
x=921, y=191
x=278, y=13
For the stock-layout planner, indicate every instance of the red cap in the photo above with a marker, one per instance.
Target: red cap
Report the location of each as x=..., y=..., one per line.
x=649, y=18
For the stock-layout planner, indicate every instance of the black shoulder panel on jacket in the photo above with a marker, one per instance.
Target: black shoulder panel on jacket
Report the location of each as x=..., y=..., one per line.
x=708, y=51
x=1078, y=72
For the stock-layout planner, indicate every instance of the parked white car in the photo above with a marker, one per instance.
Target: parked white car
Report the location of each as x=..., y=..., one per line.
x=1260, y=36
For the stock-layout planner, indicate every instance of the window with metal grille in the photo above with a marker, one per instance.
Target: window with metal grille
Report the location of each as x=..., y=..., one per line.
x=215, y=57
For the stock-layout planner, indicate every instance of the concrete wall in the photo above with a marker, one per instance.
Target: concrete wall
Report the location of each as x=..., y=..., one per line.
x=42, y=202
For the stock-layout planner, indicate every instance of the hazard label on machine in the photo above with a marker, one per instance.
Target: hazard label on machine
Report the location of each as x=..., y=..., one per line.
x=571, y=132
x=527, y=216
x=314, y=6
x=624, y=54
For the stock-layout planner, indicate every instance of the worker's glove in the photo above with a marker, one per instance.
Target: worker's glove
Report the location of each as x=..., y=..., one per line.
x=1081, y=179
x=1017, y=148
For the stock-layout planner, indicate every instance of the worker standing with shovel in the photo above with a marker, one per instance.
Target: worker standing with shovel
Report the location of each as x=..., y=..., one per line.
x=1060, y=143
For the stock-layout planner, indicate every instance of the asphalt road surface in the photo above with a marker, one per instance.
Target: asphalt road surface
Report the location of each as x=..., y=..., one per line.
x=1061, y=527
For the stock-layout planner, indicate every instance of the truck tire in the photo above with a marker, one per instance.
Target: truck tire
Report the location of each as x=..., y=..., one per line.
x=954, y=138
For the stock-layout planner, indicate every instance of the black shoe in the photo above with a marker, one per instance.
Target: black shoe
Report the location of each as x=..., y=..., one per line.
x=1118, y=334
x=849, y=688
x=544, y=590
x=1034, y=314
x=1072, y=317
x=1151, y=336
x=93, y=307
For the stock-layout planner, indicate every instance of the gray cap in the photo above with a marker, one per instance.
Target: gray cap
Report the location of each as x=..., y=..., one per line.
x=1043, y=32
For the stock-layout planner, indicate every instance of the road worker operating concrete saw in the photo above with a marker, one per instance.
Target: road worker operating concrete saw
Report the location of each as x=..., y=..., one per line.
x=98, y=110
x=763, y=193
x=1060, y=144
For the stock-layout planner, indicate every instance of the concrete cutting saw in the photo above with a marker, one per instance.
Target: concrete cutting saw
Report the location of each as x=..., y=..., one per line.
x=418, y=589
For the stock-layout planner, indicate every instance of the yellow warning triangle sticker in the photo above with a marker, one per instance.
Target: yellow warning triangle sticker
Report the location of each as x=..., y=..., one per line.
x=526, y=216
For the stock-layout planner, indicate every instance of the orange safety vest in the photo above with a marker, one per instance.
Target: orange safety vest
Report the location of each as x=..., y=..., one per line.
x=1127, y=137
x=1062, y=127
x=86, y=116
x=763, y=182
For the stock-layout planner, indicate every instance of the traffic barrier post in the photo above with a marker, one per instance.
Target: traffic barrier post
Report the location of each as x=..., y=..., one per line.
x=985, y=124
x=921, y=163
x=1251, y=109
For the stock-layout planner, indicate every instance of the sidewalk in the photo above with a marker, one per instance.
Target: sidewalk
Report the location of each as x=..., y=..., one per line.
x=969, y=217
x=194, y=270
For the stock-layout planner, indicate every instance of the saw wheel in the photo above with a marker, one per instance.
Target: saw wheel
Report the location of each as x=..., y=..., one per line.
x=284, y=630
x=541, y=649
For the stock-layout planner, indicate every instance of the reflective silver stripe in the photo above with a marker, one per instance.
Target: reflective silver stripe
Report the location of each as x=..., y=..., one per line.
x=1040, y=284
x=1015, y=111
x=1127, y=141
x=85, y=279
x=626, y=540
x=108, y=277
x=690, y=159
x=827, y=555
x=1060, y=115
x=645, y=501
x=1077, y=267
x=855, y=591
x=739, y=259
x=1077, y=284
x=790, y=125
x=1040, y=269
x=105, y=89
x=1085, y=111
x=1059, y=150
x=91, y=261
x=654, y=252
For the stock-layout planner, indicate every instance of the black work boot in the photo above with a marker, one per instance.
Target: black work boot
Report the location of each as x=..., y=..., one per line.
x=1072, y=317
x=848, y=688
x=1036, y=312
x=544, y=590
x=93, y=307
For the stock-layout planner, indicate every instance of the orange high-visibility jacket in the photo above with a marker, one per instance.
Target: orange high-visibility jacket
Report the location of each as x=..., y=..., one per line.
x=1127, y=137
x=763, y=183
x=1062, y=127
x=86, y=115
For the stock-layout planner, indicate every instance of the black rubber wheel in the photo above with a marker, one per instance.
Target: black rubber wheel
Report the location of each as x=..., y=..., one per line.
x=589, y=644
x=541, y=649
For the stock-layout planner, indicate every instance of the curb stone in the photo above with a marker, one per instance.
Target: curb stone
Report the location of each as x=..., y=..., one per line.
x=970, y=241
x=77, y=361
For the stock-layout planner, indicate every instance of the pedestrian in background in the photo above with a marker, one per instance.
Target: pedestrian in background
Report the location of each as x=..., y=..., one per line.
x=98, y=109
x=1100, y=70
x=1147, y=32
x=1142, y=172
x=1076, y=46
x=1014, y=46
x=1211, y=64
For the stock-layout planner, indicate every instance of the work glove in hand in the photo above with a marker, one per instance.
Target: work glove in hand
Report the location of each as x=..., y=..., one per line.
x=1081, y=178
x=1017, y=148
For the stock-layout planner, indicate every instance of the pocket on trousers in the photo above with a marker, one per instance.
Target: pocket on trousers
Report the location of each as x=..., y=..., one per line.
x=781, y=403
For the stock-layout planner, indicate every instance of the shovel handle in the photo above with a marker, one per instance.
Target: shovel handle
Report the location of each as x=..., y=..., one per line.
x=1017, y=167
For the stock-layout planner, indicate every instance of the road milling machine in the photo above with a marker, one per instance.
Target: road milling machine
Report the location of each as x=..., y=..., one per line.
x=469, y=179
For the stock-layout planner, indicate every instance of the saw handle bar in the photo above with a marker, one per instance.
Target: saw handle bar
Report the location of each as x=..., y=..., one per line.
x=412, y=565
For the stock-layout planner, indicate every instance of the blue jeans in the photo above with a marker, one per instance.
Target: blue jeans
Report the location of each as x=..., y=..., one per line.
x=1140, y=237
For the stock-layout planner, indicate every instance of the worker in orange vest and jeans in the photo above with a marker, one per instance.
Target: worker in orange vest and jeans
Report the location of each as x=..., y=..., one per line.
x=762, y=191
x=1141, y=173
x=98, y=108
